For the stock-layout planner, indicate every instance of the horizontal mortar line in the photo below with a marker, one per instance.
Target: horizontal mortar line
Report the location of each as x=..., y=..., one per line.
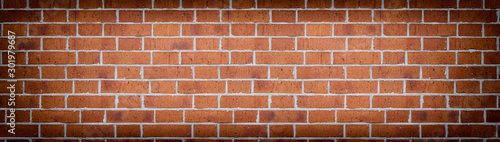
x=253, y=138
x=258, y=94
x=254, y=22
x=273, y=109
x=266, y=51
x=266, y=65
x=253, y=9
x=232, y=79
x=260, y=123
x=262, y=36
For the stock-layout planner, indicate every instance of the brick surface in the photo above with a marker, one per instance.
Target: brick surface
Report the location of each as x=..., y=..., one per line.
x=250, y=70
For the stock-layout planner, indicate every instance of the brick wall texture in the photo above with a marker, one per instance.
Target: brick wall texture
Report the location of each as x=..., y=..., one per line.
x=252, y=70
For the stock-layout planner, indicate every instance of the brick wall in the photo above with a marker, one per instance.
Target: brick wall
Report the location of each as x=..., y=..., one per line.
x=256, y=70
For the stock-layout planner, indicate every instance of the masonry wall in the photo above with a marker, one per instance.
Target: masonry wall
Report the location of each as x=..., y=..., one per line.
x=252, y=70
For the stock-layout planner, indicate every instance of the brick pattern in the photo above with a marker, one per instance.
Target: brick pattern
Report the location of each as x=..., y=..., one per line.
x=253, y=70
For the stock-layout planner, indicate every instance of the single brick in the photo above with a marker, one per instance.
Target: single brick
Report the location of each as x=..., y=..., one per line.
x=320, y=101
x=396, y=101
x=357, y=29
x=243, y=72
x=277, y=86
x=167, y=72
x=124, y=116
x=429, y=87
x=397, y=16
x=201, y=87
x=169, y=16
x=124, y=86
x=92, y=16
x=282, y=116
x=353, y=87
x=321, y=16
x=243, y=101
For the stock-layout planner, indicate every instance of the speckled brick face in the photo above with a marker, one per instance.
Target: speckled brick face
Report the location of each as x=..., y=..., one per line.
x=252, y=70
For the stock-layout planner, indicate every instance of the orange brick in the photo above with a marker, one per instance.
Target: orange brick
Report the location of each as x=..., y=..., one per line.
x=357, y=29
x=277, y=86
x=397, y=16
x=280, y=30
x=245, y=44
x=321, y=16
x=92, y=16
x=201, y=87
x=353, y=87
x=169, y=16
x=205, y=30
x=319, y=29
x=245, y=16
x=207, y=16
x=166, y=29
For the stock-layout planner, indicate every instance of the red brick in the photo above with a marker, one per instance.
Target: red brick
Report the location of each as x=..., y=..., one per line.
x=14, y=4
x=129, y=101
x=396, y=101
x=429, y=86
x=205, y=130
x=241, y=57
x=396, y=72
x=435, y=44
x=470, y=116
x=470, y=4
x=436, y=16
x=52, y=29
x=434, y=102
x=353, y=87
x=491, y=57
x=319, y=130
x=360, y=15
x=92, y=116
x=201, y=87
x=169, y=116
x=491, y=87
x=20, y=16
x=320, y=101
x=357, y=29
x=242, y=116
x=241, y=4
x=279, y=58
x=127, y=4
x=319, y=72
x=472, y=43
x=395, y=4
x=128, y=130
x=204, y=58
x=356, y=101
x=433, y=72
x=207, y=44
x=319, y=29
x=282, y=116
x=128, y=72
x=280, y=4
x=471, y=130
x=277, y=87
x=282, y=44
x=321, y=116
x=205, y=4
x=19, y=29
x=396, y=44
x=54, y=16
x=431, y=58
x=318, y=58
x=206, y=72
x=166, y=30
x=395, y=130
x=28, y=131
x=441, y=116
x=205, y=102
x=397, y=116
x=169, y=16
x=395, y=29
x=123, y=116
x=126, y=57
x=92, y=16
x=90, y=29
x=91, y=101
x=21, y=44
x=231, y=130
x=168, y=44
x=124, y=86
x=321, y=16
x=245, y=16
x=473, y=101
x=53, y=101
x=242, y=29
x=243, y=101
x=356, y=131
x=433, y=30
x=472, y=72
x=469, y=57
x=281, y=72
x=319, y=4
x=130, y=16
x=243, y=72
x=356, y=58
x=32, y=72
x=397, y=16
x=52, y=4
x=79, y=130
x=219, y=116
x=89, y=58
x=321, y=44
x=88, y=4
x=282, y=101
x=316, y=87
x=357, y=3
x=370, y=116
x=167, y=130
x=52, y=130
x=491, y=29
x=492, y=115
x=245, y=44
x=433, y=4
x=55, y=116
x=92, y=44
x=182, y=101
x=239, y=86
x=168, y=72
x=470, y=30
x=391, y=86
x=127, y=30
x=283, y=16
x=359, y=43
x=91, y=72
x=471, y=16
x=280, y=30
x=86, y=86
x=205, y=30
x=207, y=16
x=281, y=131
x=38, y=87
